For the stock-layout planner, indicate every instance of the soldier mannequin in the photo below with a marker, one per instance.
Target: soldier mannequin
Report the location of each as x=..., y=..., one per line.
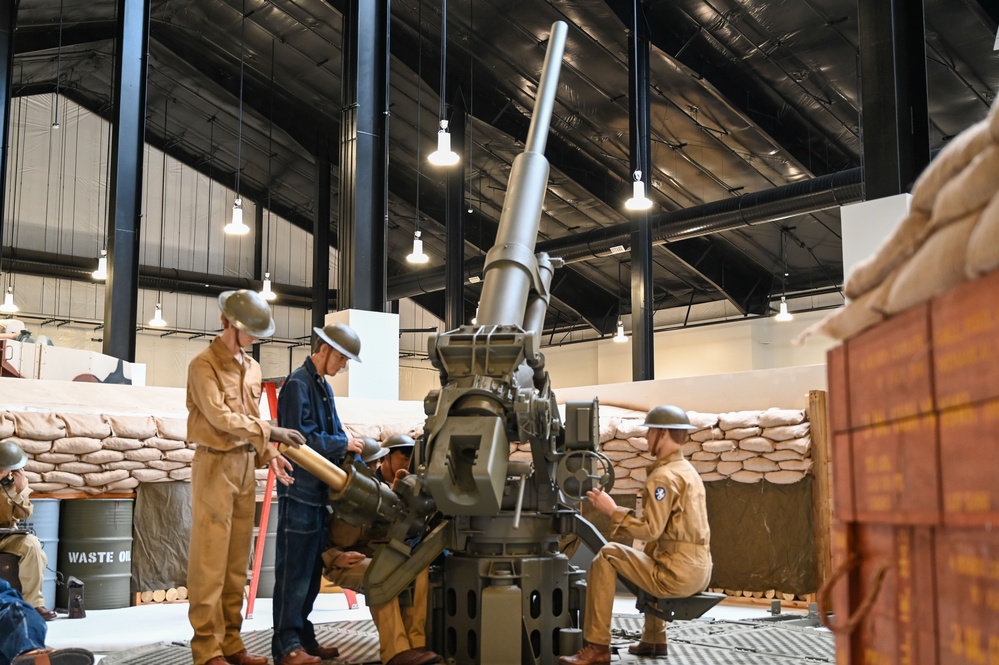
x=674, y=524
x=15, y=507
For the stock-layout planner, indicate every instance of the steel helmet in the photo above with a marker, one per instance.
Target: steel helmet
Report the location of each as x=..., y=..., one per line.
x=668, y=416
x=12, y=457
x=342, y=338
x=248, y=312
x=398, y=441
x=372, y=451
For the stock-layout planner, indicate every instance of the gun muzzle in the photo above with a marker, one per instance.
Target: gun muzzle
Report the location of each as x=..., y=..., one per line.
x=316, y=464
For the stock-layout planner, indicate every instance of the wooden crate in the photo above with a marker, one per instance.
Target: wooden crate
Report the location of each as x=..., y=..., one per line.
x=969, y=450
x=888, y=369
x=896, y=472
x=968, y=596
x=844, y=506
x=900, y=628
x=839, y=402
x=965, y=325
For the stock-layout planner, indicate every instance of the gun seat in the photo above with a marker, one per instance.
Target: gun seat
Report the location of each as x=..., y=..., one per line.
x=683, y=609
x=10, y=566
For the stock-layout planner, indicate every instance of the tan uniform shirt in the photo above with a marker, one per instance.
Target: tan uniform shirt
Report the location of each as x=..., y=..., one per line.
x=674, y=521
x=14, y=507
x=223, y=403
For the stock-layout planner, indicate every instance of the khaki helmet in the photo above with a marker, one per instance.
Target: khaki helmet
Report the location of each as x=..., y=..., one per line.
x=248, y=312
x=668, y=416
x=398, y=441
x=342, y=338
x=12, y=457
x=372, y=451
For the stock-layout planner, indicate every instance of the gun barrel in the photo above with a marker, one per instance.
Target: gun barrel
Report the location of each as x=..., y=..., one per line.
x=316, y=464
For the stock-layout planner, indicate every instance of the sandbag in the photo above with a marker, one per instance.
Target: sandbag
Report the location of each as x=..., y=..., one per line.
x=968, y=192
x=86, y=424
x=956, y=155
x=983, y=244
x=869, y=273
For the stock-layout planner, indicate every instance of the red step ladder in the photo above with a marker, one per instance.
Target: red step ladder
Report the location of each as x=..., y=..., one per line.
x=270, y=393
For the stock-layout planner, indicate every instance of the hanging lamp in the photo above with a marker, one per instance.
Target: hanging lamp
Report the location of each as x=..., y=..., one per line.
x=8, y=306
x=157, y=321
x=620, y=337
x=638, y=200
x=266, y=292
x=102, y=267
x=236, y=227
x=443, y=156
x=417, y=255
x=782, y=313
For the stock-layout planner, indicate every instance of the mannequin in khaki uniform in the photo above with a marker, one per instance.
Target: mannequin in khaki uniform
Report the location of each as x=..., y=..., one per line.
x=223, y=397
x=401, y=631
x=674, y=523
x=14, y=507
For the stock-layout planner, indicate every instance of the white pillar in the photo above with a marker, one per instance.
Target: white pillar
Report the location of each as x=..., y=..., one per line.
x=865, y=226
x=377, y=375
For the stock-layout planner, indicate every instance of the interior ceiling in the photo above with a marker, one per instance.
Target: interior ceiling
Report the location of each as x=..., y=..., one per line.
x=745, y=96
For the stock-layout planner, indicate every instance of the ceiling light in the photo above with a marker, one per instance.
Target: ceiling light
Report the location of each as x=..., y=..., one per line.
x=266, y=292
x=620, y=337
x=8, y=306
x=618, y=249
x=157, y=321
x=783, y=314
x=102, y=267
x=443, y=156
x=474, y=279
x=638, y=200
x=236, y=227
x=417, y=256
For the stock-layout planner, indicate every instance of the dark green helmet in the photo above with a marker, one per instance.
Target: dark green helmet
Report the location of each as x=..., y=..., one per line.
x=12, y=457
x=398, y=441
x=342, y=338
x=372, y=451
x=248, y=312
x=668, y=416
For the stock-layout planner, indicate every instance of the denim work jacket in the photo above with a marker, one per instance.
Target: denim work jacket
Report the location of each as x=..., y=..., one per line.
x=306, y=404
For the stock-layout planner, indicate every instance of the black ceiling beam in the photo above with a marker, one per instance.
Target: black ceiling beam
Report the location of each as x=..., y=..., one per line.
x=750, y=293
x=38, y=38
x=793, y=131
x=298, y=120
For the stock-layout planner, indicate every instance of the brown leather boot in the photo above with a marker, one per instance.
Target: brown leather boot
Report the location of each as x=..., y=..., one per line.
x=647, y=649
x=591, y=654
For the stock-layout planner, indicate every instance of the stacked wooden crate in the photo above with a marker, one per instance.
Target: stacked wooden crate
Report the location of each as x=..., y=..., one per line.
x=914, y=412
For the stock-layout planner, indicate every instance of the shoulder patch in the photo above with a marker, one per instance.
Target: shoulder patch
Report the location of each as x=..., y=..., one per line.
x=660, y=493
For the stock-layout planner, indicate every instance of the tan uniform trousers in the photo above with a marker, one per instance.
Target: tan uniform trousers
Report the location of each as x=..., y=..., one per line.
x=222, y=506
x=399, y=628
x=31, y=567
x=647, y=573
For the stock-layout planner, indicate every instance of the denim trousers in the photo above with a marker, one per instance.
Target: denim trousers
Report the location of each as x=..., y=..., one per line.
x=21, y=627
x=298, y=568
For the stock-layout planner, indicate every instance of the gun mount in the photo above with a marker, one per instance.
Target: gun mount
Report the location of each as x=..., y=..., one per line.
x=502, y=522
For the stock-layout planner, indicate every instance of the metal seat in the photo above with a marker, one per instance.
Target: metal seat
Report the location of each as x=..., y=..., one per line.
x=10, y=568
x=683, y=609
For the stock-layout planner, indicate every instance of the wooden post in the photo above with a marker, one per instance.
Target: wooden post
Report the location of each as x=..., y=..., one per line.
x=821, y=505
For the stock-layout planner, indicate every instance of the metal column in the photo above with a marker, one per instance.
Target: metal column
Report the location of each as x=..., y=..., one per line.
x=8, y=21
x=363, y=208
x=127, y=143
x=895, y=126
x=454, y=241
x=642, y=351
x=321, y=240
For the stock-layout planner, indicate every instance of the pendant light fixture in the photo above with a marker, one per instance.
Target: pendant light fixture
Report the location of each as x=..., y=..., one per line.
x=266, y=292
x=620, y=337
x=8, y=306
x=417, y=256
x=158, y=321
x=443, y=156
x=55, y=119
x=102, y=267
x=638, y=200
x=782, y=313
x=236, y=227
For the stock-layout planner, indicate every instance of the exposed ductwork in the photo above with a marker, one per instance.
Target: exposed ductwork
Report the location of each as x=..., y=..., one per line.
x=770, y=205
x=48, y=264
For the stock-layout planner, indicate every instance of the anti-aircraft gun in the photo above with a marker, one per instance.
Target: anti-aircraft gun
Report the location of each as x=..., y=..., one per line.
x=503, y=523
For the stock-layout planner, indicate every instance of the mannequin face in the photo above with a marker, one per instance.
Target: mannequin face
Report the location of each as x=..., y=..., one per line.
x=329, y=361
x=397, y=459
